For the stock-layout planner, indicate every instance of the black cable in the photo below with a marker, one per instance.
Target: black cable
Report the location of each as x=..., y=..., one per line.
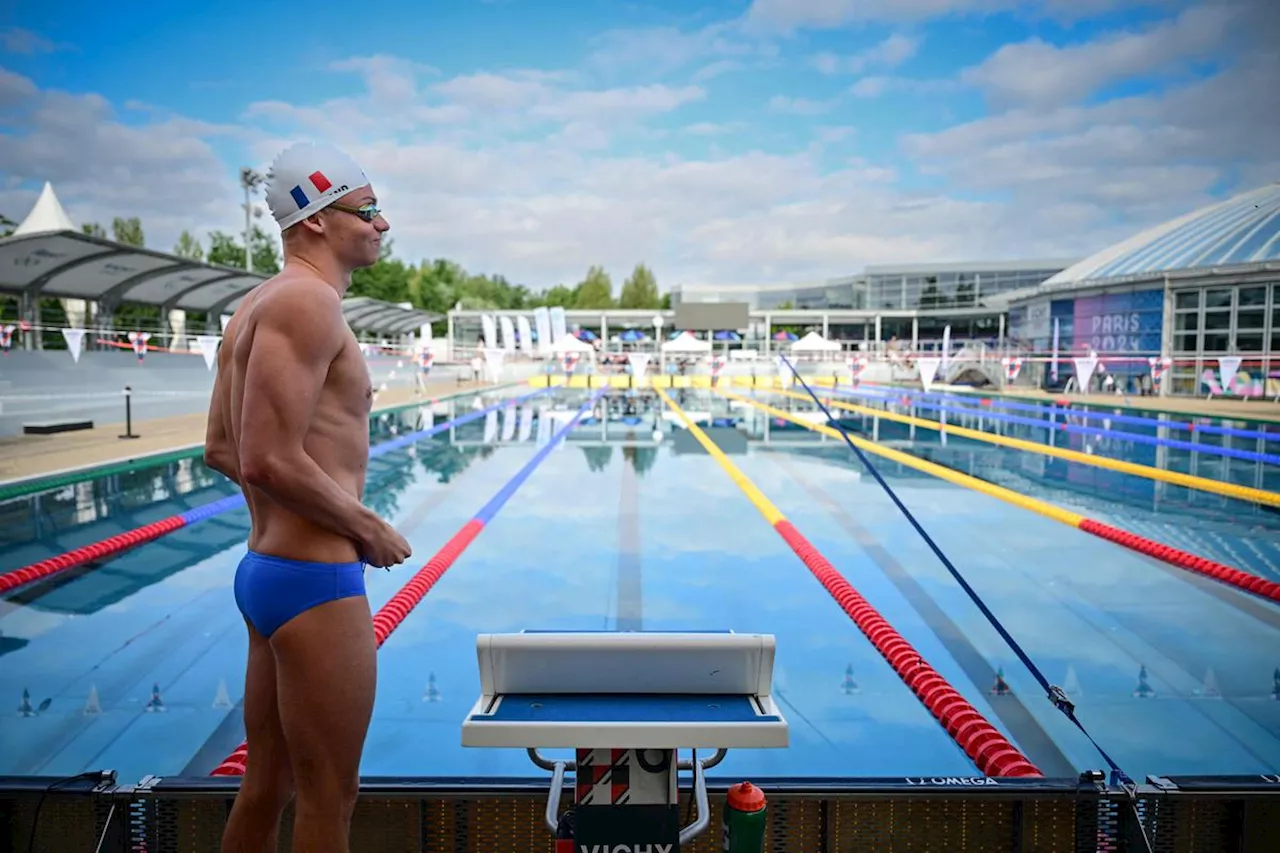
x=1057, y=696
x=96, y=775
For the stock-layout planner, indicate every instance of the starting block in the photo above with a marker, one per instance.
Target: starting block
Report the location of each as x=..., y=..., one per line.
x=626, y=703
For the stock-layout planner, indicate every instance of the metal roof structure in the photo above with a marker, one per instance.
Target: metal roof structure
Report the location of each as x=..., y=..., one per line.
x=1240, y=233
x=48, y=256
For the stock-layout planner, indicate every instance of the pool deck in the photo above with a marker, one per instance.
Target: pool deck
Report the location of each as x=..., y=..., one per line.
x=38, y=455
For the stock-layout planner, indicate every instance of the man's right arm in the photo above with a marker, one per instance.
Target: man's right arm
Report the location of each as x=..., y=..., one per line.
x=296, y=338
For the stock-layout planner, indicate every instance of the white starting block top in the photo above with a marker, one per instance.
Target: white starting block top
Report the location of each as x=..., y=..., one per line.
x=635, y=690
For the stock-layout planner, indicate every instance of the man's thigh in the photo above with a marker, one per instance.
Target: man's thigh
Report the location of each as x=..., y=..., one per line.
x=326, y=676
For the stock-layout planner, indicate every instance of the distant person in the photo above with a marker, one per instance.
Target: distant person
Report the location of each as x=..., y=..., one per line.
x=289, y=423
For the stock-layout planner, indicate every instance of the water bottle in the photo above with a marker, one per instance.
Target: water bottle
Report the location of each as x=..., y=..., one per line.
x=745, y=813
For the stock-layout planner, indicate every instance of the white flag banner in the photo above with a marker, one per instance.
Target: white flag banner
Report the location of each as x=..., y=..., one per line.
x=542, y=319
x=928, y=368
x=225, y=318
x=558, y=321
x=209, y=349
x=508, y=333
x=525, y=335
x=785, y=376
x=75, y=342
x=1085, y=366
x=493, y=364
x=509, y=417
x=490, y=426
x=1228, y=366
x=1053, y=369
x=490, y=331
x=639, y=362
x=424, y=332
x=526, y=423
x=946, y=349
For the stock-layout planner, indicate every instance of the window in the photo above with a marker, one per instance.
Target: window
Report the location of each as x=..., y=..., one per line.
x=1185, y=342
x=1217, y=342
x=1249, y=341
x=1186, y=322
x=1187, y=300
x=1217, y=298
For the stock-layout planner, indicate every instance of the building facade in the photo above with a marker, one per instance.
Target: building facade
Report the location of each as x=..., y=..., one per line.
x=1202, y=290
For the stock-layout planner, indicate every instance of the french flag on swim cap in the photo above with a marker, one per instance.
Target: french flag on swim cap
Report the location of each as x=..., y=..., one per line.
x=307, y=177
x=317, y=180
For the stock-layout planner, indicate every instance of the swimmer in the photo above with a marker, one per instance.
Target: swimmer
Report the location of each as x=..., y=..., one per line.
x=288, y=422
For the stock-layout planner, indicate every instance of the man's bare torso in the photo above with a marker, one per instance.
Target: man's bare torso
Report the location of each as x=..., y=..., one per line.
x=337, y=436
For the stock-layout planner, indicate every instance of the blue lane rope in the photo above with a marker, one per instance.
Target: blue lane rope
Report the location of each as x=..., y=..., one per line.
x=1040, y=423
x=1056, y=694
x=230, y=502
x=490, y=509
x=1099, y=413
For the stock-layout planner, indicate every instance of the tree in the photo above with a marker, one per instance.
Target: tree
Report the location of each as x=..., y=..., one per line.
x=128, y=231
x=225, y=251
x=595, y=291
x=7, y=226
x=188, y=247
x=388, y=279
x=93, y=229
x=640, y=290
x=559, y=296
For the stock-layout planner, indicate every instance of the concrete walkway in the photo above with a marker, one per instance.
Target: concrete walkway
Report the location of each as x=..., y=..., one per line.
x=36, y=455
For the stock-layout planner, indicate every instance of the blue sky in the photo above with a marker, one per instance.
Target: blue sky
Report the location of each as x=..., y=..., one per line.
x=718, y=142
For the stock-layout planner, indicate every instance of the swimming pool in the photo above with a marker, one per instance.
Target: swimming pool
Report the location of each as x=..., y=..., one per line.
x=628, y=524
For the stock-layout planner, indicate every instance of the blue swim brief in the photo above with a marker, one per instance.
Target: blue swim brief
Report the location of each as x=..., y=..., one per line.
x=272, y=590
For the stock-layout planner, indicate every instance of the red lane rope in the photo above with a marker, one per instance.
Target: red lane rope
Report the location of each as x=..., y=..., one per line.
x=388, y=617
x=982, y=742
x=88, y=553
x=1184, y=560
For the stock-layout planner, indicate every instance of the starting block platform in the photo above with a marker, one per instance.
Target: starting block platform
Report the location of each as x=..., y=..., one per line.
x=626, y=702
x=640, y=690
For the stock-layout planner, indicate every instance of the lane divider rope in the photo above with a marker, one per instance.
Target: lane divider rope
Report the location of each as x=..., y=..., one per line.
x=1062, y=425
x=1056, y=695
x=397, y=609
x=1165, y=553
x=1230, y=490
x=1100, y=411
x=121, y=542
x=990, y=750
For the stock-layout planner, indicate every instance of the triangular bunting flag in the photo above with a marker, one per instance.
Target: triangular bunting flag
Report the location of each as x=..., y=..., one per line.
x=1228, y=366
x=75, y=342
x=928, y=368
x=209, y=349
x=1085, y=367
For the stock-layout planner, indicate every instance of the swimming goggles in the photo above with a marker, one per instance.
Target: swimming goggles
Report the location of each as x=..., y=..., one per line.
x=367, y=212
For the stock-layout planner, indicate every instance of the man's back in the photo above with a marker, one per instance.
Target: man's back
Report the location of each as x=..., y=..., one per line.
x=282, y=335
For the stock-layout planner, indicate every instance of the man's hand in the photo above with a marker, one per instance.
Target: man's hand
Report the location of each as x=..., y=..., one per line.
x=383, y=546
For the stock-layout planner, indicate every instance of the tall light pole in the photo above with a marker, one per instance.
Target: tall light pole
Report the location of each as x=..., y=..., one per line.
x=249, y=180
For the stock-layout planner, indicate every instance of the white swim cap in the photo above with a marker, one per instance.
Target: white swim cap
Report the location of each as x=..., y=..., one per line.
x=308, y=177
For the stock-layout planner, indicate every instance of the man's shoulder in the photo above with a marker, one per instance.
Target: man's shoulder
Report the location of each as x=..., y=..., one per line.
x=300, y=297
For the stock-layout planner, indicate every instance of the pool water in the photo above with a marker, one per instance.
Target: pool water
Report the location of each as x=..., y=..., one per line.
x=136, y=664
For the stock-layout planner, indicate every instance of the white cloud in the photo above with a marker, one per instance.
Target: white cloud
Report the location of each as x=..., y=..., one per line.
x=800, y=106
x=786, y=16
x=875, y=86
x=18, y=40
x=896, y=49
x=166, y=170
x=516, y=171
x=1040, y=74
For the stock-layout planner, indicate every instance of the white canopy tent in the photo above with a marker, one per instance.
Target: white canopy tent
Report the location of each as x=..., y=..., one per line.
x=569, y=343
x=814, y=342
x=686, y=343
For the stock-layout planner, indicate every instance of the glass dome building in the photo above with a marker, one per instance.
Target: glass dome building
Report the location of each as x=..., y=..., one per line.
x=1199, y=289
